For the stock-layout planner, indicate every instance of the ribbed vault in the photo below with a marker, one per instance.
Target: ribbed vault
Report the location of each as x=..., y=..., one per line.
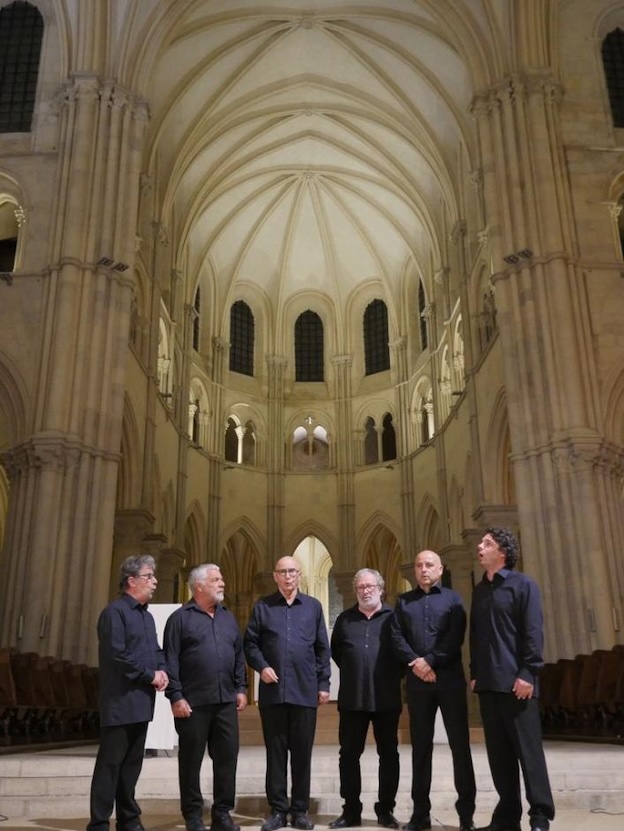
x=311, y=145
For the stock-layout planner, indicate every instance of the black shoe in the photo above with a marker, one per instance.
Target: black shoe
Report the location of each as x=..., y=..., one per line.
x=467, y=825
x=195, y=825
x=387, y=819
x=275, y=821
x=345, y=821
x=302, y=822
x=495, y=827
x=416, y=824
x=222, y=821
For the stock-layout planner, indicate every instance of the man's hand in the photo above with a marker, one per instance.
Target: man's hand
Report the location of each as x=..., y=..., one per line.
x=323, y=697
x=269, y=676
x=522, y=689
x=160, y=680
x=422, y=670
x=181, y=708
x=241, y=701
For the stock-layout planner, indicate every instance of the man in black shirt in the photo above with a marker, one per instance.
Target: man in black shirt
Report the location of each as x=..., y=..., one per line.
x=207, y=689
x=506, y=641
x=428, y=630
x=286, y=642
x=370, y=692
x=132, y=669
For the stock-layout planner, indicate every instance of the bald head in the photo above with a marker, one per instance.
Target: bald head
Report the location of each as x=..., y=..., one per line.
x=428, y=569
x=286, y=575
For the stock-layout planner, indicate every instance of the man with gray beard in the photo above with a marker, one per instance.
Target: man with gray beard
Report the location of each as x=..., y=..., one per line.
x=207, y=689
x=370, y=693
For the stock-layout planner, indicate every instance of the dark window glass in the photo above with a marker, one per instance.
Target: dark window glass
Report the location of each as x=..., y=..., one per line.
x=8, y=247
x=195, y=435
x=21, y=32
x=196, y=320
x=309, y=347
x=249, y=444
x=388, y=439
x=371, y=445
x=241, y=338
x=422, y=303
x=231, y=442
x=376, y=349
x=613, y=62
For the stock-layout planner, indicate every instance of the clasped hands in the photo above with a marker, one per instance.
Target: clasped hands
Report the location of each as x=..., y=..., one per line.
x=422, y=670
x=160, y=680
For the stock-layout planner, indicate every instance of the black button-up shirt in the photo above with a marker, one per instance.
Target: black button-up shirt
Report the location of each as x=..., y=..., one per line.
x=506, y=632
x=129, y=657
x=293, y=640
x=370, y=674
x=431, y=625
x=204, y=656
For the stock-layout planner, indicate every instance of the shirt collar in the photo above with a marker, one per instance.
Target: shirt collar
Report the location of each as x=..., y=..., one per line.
x=435, y=589
x=132, y=601
x=502, y=573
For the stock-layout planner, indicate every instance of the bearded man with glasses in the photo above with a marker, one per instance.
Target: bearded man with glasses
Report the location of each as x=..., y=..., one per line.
x=286, y=642
x=370, y=693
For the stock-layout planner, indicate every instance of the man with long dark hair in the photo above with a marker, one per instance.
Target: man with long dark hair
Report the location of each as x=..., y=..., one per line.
x=506, y=641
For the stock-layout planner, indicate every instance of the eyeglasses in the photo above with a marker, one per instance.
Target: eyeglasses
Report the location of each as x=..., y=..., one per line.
x=287, y=572
x=366, y=587
x=149, y=576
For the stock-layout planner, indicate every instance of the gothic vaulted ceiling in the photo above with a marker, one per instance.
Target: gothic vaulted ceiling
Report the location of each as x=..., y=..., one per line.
x=308, y=145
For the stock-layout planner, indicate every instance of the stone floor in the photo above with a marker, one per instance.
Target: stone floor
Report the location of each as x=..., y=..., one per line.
x=50, y=790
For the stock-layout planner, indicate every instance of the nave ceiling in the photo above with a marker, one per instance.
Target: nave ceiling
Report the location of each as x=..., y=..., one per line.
x=309, y=146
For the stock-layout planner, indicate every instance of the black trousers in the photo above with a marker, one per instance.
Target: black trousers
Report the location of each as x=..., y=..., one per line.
x=117, y=769
x=352, y=736
x=214, y=726
x=423, y=705
x=288, y=728
x=513, y=736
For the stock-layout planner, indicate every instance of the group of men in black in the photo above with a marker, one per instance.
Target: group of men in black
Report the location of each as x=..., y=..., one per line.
x=201, y=669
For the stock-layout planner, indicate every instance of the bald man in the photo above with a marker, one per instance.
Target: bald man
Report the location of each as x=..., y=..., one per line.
x=427, y=633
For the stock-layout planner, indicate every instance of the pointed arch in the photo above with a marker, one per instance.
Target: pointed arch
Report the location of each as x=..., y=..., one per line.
x=613, y=403
x=14, y=404
x=311, y=528
x=428, y=523
x=245, y=526
x=381, y=549
x=195, y=533
x=497, y=470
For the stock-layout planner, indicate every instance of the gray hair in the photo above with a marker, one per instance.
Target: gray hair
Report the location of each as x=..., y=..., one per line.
x=198, y=574
x=131, y=567
x=378, y=578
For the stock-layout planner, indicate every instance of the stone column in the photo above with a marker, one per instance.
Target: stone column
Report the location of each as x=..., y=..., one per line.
x=346, y=556
x=276, y=366
x=59, y=536
x=344, y=584
x=550, y=369
x=403, y=423
x=220, y=352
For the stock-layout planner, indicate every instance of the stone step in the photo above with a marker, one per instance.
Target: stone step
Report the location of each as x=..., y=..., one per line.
x=56, y=783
